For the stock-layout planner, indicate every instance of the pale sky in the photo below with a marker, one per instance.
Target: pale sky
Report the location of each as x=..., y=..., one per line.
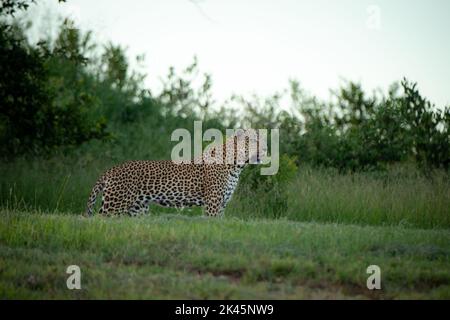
x=255, y=46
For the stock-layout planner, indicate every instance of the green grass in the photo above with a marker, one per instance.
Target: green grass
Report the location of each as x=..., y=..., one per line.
x=173, y=256
x=400, y=196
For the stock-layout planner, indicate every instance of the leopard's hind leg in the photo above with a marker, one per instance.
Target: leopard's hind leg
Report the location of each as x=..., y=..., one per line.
x=140, y=206
x=114, y=201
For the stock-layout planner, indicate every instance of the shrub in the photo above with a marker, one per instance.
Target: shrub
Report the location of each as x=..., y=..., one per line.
x=271, y=190
x=45, y=99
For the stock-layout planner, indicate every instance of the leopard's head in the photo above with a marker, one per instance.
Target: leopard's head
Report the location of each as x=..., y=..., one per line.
x=243, y=147
x=248, y=145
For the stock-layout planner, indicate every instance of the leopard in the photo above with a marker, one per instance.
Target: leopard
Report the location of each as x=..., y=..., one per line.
x=208, y=182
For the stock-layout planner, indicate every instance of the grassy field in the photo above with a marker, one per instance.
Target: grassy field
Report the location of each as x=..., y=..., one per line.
x=402, y=196
x=175, y=256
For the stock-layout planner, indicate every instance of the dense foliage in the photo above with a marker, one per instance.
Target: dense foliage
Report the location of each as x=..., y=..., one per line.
x=46, y=93
x=67, y=91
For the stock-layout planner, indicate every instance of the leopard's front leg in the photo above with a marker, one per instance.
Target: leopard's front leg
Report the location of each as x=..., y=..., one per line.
x=214, y=191
x=214, y=205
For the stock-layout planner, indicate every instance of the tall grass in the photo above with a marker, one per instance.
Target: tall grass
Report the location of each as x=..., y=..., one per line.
x=400, y=196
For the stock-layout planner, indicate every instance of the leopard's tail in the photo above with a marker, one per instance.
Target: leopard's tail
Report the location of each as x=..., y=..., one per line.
x=98, y=188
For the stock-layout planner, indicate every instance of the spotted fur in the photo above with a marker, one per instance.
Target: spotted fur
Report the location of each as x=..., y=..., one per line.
x=132, y=186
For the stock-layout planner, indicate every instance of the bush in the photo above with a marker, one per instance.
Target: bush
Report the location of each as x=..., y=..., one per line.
x=45, y=95
x=355, y=132
x=428, y=127
x=269, y=193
